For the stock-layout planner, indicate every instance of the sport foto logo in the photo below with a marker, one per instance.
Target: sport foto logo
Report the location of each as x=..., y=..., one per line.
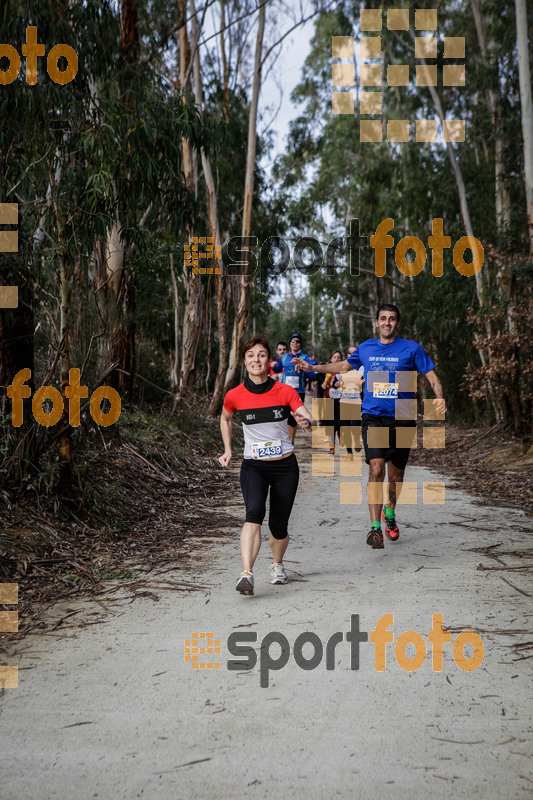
x=32, y=50
x=239, y=645
x=191, y=255
x=241, y=258
x=202, y=644
x=74, y=392
x=371, y=75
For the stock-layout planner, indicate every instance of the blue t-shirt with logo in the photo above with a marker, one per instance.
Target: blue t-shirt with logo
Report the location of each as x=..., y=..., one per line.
x=390, y=376
x=290, y=375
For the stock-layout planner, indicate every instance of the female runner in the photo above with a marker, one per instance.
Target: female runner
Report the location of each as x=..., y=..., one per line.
x=269, y=460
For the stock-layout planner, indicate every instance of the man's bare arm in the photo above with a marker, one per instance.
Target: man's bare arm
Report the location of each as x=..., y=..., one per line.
x=333, y=367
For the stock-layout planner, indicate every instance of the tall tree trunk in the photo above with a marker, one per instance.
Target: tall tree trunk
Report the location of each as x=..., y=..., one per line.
x=129, y=31
x=220, y=280
x=243, y=306
x=192, y=315
x=118, y=293
x=108, y=271
x=175, y=367
x=117, y=346
x=65, y=452
x=503, y=199
x=336, y=324
x=221, y=305
x=184, y=61
x=124, y=333
x=465, y=213
x=225, y=75
x=222, y=289
x=192, y=328
x=527, y=109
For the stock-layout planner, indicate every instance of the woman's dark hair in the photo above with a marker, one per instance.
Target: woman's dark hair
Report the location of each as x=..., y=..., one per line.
x=252, y=343
x=334, y=352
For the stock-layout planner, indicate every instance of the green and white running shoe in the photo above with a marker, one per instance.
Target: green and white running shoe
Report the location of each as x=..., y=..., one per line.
x=245, y=584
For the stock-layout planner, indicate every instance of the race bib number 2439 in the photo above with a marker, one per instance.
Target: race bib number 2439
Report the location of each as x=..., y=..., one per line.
x=265, y=450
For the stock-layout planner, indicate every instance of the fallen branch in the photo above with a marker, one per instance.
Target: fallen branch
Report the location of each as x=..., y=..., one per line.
x=131, y=450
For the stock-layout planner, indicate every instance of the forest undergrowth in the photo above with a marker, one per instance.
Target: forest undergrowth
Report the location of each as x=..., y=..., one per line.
x=149, y=496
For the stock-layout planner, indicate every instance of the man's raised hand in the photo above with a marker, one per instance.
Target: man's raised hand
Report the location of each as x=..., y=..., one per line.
x=301, y=363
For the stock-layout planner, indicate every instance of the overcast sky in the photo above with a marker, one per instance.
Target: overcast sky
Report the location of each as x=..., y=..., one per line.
x=287, y=71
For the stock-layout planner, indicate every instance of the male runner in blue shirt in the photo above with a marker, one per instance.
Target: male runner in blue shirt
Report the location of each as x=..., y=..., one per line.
x=391, y=366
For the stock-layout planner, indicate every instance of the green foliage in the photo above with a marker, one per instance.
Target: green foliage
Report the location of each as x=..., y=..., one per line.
x=329, y=177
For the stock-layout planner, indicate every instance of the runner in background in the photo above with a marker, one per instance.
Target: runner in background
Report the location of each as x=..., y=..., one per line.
x=310, y=382
x=281, y=349
x=351, y=397
x=291, y=376
x=390, y=365
x=332, y=392
x=320, y=385
x=269, y=461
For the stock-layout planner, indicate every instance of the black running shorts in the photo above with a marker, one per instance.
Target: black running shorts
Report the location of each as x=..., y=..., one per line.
x=398, y=455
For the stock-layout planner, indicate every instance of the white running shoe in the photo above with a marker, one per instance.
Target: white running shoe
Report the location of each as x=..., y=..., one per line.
x=245, y=584
x=277, y=573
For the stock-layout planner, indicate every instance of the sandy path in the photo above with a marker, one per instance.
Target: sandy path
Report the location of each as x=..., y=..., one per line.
x=112, y=710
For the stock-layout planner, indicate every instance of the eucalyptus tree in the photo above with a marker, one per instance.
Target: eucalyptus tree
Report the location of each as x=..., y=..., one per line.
x=527, y=109
x=77, y=158
x=473, y=185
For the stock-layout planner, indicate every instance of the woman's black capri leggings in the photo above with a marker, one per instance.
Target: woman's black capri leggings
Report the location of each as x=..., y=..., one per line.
x=282, y=477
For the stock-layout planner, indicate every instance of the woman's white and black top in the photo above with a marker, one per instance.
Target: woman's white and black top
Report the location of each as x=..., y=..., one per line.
x=264, y=409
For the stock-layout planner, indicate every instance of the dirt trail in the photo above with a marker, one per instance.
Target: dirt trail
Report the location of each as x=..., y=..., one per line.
x=111, y=709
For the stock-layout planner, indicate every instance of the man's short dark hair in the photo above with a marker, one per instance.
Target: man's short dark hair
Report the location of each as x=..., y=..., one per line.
x=283, y=343
x=388, y=307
